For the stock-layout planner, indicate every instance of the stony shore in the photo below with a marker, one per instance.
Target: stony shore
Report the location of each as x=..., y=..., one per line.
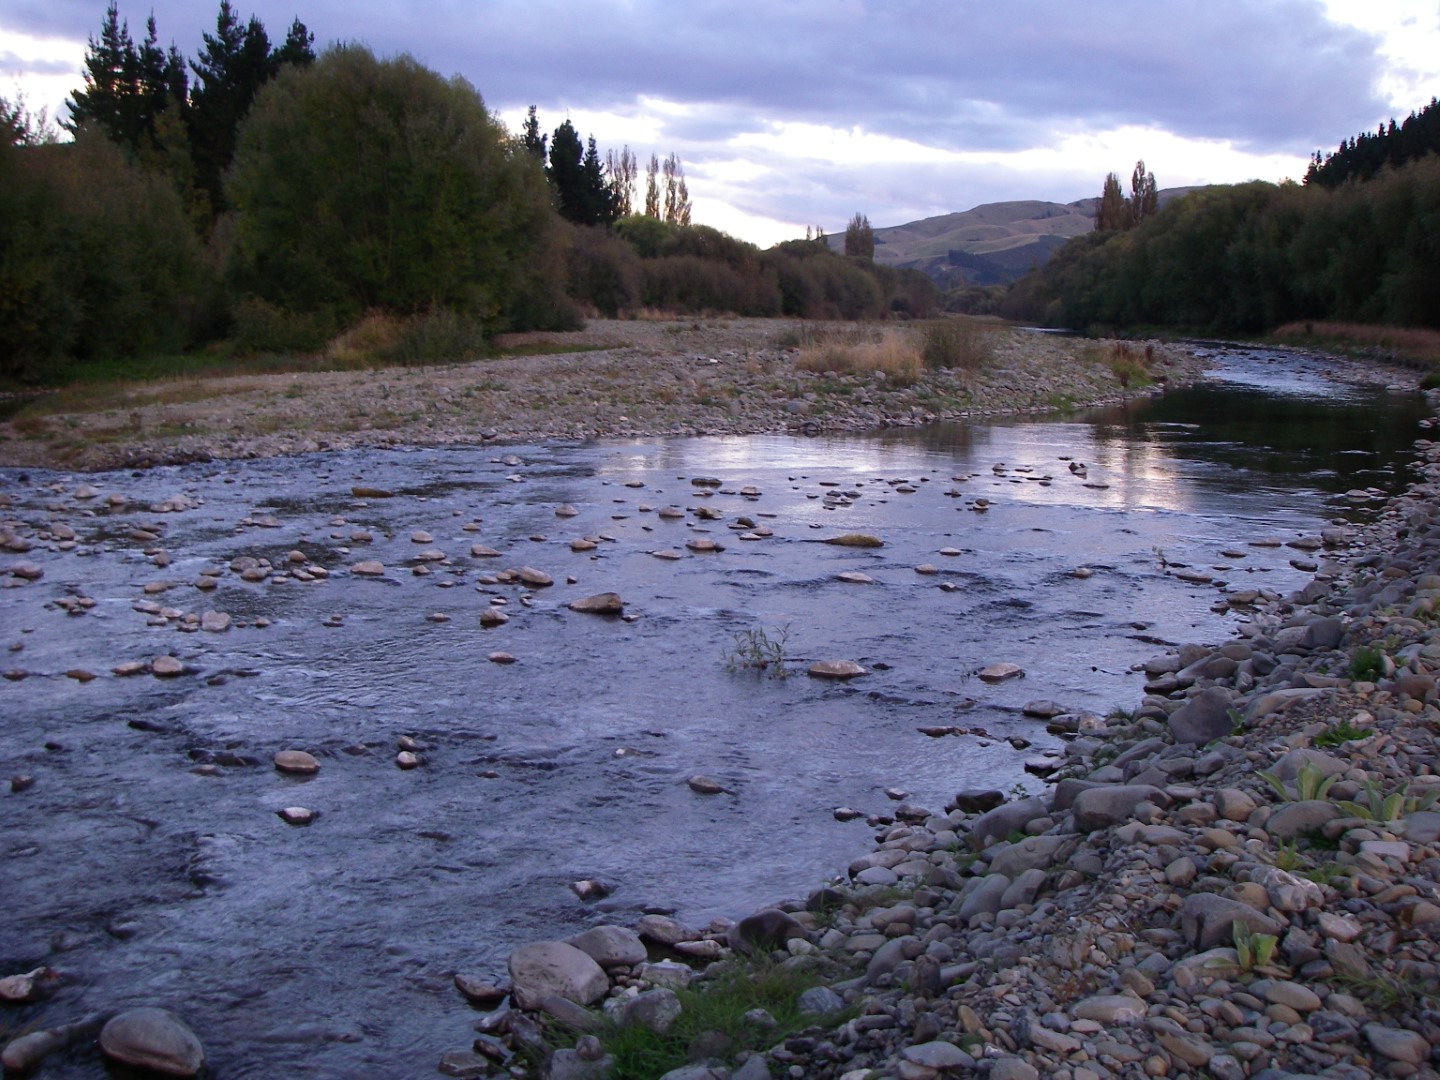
x=613, y=379
x=1239, y=879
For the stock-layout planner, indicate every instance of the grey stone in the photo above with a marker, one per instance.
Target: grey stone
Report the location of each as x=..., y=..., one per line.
x=1023, y=889
x=1423, y=827
x=1013, y=1068
x=1102, y=807
x=983, y=899
x=978, y=801
x=820, y=1000
x=765, y=930
x=1203, y=718
x=1277, y=701
x=569, y=1065
x=543, y=968
x=1208, y=920
x=611, y=946
x=568, y=1014
x=938, y=1055
x=1110, y=1009
x=1397, y=1044
x=1010, y=818
x=1034, y=852
x=1289, y=766
x=656, y=1010
x=1325, y=633
x=1292, y=819
x=154, y=1039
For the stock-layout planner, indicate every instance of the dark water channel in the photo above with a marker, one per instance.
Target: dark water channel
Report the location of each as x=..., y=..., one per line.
x=327, y=950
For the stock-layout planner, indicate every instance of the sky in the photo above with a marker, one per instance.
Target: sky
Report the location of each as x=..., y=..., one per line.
x=788, y=114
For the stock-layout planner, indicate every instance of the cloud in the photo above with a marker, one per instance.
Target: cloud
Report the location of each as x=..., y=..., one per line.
x=826, y=106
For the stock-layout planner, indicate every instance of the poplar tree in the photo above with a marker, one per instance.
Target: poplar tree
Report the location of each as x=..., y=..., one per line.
x=860, y=238
x=652, y=188
x=677, y=196
x=1144, y=199
x=1112, y=213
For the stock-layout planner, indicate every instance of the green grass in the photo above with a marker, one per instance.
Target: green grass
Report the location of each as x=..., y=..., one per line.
x=718, y=1006
x=1338, y=734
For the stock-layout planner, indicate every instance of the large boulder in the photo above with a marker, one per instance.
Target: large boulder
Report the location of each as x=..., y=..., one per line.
x=1208, y=920
x=1204, y=718
x=999, y=823
x=765, y=930
x=545, y=968
x=1103, y=807
x=611, y=946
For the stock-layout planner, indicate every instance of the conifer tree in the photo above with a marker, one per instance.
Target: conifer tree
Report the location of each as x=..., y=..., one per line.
x=535, y=144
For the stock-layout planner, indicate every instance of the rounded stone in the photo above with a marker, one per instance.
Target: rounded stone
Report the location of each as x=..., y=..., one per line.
x=154, y=1039
x=836, y=669
x=296, y=761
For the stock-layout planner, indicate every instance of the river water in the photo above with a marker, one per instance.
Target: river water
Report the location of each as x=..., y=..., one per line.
x=147, y=862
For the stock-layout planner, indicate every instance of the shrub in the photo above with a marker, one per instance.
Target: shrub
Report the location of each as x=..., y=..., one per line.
x=604, y=271
x=956, y=344
x=893, y=352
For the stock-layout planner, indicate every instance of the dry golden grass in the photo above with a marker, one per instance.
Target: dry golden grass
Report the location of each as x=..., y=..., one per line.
x=361, y=343
x=892, y=351
x=1409, y=344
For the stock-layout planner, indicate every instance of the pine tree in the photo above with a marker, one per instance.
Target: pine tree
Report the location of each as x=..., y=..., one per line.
x=860, y=238
x=112, y=99
x=235, y=62
x=534, y=143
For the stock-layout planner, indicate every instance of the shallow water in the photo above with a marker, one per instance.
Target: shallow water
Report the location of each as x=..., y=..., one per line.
x=331, y=946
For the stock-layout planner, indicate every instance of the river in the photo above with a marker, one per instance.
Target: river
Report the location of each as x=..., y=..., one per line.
x=148, y=864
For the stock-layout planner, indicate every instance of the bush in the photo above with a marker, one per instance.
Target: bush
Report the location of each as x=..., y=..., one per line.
x=97, y=259
x=262, y=327
x=604, y=272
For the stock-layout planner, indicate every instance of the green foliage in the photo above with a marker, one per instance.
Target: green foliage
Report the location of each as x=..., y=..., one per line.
x=759, y=651
x=860, y=238
x=1338, y=734
x=1378, y=805
x=604, y=271
x=1368, y=664
x=575, y=172
x=1253, y=950
x=722, y=1005
x=1363, y=156
x=97, y=259
x=1310, y=784
x=363, y=184
x=1243, y=258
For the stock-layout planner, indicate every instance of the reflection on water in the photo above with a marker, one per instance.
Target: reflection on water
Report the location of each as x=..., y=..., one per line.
x=149, y=882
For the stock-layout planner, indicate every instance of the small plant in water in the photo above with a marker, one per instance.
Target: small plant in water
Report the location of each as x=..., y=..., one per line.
x=759, y=651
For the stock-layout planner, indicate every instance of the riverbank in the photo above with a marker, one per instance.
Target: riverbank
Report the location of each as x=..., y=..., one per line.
x=613, y=379
x=1239, y=879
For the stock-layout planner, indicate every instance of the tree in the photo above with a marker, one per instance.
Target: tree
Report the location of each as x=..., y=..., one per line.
x=677, y=196
x=652, y=188
x=576, y=175
x=362, y=183
x=1112, y=213
x=112, y=99
x=860, y=238
x=1144, y=199
x=623, y=171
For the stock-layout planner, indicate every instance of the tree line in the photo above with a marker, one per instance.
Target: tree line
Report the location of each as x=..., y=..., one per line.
x=265, y=198
x=1363, y=156
x=1248, y=257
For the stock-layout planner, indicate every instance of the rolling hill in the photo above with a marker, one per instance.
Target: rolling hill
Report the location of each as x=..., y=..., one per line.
x=991, y=244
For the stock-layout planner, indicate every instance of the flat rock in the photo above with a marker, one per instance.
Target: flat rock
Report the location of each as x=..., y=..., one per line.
x=836, y=669
x=606, y=603
x=368, y=568
x=154, y=1039
x=611, y=946
x=856, y=540
x=534, y=578
x=296, y=761
x=1000, y=672
x=1204, y=718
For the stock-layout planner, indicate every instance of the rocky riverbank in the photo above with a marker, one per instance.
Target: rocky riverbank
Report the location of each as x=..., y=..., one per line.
x=613, y=379
x=1240, y=879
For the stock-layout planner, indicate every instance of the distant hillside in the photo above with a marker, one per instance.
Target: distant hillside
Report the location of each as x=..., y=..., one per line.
x=991, y=244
